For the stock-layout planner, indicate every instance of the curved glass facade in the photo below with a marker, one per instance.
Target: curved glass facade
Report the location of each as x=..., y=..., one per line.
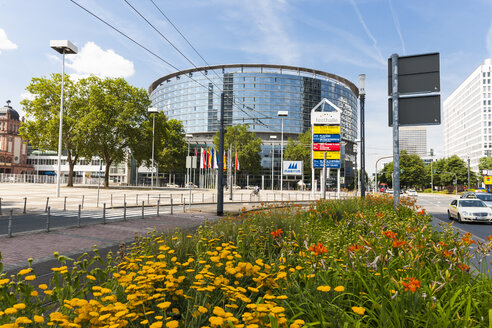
x=254, y=95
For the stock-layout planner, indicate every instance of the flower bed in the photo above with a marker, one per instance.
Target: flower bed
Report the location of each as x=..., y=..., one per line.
x=335, y=264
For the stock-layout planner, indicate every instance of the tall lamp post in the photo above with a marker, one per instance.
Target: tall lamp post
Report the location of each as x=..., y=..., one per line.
x=362, y=94
x=273, y=156
x=282, y=114
x=153, y=111
x=63, y=47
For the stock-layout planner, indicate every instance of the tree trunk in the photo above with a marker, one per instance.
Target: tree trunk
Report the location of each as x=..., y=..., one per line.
x=106, y=173
x=71, y=164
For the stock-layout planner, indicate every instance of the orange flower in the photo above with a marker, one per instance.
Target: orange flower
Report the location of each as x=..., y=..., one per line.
x=463, y=266
x=443, y=244
x=318, y=249
x=355, y=248
x=398, y=243
x=380, y=215
x=467, y=240
x=390, y=234
x=421, y=212
x=412, y=284
x=276, y=233
x=447, y=253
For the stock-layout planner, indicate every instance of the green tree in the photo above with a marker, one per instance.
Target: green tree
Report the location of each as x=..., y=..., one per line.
x=172, y=155
x=412, y=172
x=300, y=150
x=485, y=163
x=113, y=120
x=43, y=117
x=247, y=145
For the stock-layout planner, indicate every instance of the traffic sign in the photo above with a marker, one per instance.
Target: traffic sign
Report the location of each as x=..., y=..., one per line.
x=329, y=154
x=326, y=146
x=326, y=138
x=422, y=110
x=330, y=163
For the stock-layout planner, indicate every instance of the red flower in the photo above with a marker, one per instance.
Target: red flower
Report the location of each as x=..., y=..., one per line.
x=463, y=266
x=447, y=253
x=412, y=284
x=390, y=234
x=318, y=249
x=355, y=248
x=398, y=243
x=276, y=233
x=467, y=240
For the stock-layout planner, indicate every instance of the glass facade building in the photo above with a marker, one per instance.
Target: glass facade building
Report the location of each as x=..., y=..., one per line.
x=253, y=95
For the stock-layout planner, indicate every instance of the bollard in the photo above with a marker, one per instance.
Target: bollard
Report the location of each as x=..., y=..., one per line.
x=65, y=204
x=83, y=196
x=184, y=205
x=203, y=198
x=0, y=205
x=171, y=205
x=143, y=209
x=136, y=199
x=111, y=200
x=124, y=212
x=47, y=201
x=78, y=216
x=9, y=231
x=158, y=204
x=104, y=213
x=25, y=205
x=48, y=220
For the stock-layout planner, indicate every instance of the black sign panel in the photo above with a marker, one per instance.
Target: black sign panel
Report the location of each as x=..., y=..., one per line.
x=416, y=74
x=423, y=110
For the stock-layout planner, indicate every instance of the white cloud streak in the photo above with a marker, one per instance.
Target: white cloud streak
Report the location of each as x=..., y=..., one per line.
x=396, y=21
x=368, y=32
x=5, y=43
x=103, y=63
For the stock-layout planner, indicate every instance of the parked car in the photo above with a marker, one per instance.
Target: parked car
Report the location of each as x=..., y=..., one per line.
x=483, y=196
x=411, y=192
x=472, y=210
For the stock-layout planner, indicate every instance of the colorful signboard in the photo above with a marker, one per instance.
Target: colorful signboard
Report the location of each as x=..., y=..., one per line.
x=326, y=146
x=329, y=155
x=487, y=180
x=320, y=129
x=330, y=163
x=326, y=138
x=292, y=167
x=325, y=118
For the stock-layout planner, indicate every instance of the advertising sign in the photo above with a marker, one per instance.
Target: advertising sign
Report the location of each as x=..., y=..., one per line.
x=325, y=117
x=486, y=172
x=329, y=155
x=292, y=167
x=330, y=163
x=326, y=146
x=487, y=180
x=326, y=129
x=326, y=138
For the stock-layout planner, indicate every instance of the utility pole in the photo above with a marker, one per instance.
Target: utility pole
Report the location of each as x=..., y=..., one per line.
x=468, y=173
x=396, y=139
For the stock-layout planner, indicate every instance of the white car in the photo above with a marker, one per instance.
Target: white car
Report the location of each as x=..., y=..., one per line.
x=411, y=192
x=472, y=210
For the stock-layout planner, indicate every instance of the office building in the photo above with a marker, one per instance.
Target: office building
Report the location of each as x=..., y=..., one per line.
x=467, y=117
x=413, y=140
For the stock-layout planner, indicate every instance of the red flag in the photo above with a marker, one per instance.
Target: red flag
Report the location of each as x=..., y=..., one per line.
x=196, y=153
x=237, y=162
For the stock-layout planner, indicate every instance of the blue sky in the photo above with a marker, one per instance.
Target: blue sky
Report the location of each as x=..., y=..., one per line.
x=344, y=37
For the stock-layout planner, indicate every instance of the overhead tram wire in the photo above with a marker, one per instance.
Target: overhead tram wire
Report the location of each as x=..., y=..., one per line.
x=142, y=46
x=182, y=54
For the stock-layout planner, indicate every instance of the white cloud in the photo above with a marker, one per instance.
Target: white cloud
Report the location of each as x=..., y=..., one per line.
x=489, y=40
x=397, y=26
x=5, y=43
x=27, y=95
x=103, y=63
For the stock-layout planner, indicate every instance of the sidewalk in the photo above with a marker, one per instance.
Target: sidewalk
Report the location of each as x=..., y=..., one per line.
x=71, y=241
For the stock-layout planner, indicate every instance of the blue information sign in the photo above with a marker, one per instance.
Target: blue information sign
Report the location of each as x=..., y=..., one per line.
x=330, y=163
x=326, y=138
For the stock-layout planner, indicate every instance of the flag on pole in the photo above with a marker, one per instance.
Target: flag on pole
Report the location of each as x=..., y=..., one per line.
x=196, y=154
x=214, y=159
x=225, y=161
x=237, y=162
x=202, y=160
x=209, y=159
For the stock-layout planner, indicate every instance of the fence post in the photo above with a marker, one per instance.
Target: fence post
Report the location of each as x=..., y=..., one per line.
x=25, y=205
x=65, y=204
x=9, y=231
x=48, y=220
x=184, y=205
x=0, y=205
x=143, y=209
x=124, y=211
x=47, y=207
x=136, y=199
x=158, y=204
x=171, y=204
x=78, y=216
x=104, y=213
x=83, y=196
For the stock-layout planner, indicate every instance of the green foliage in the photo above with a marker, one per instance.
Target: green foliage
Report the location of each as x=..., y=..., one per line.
x=485, y=163
x=300, y=150
x=172, y=154
x=247, y=144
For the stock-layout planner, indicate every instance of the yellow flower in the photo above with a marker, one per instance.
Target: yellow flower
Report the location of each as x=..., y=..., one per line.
x=164, y=305
x=43, y=286
x=24, y=271
x=297, y=323
x=339, y=289
x=90, y=277
x=30, y=278
x=175, y=311
x=324, y=288
x=38, y=319
x=202, y=309
x=278, y=309
x=358, y=310
x=23, y=320
x=48, y=292
x=34, y=293
x=172, y=324
x=19, y=306
x=157, y=324
x=4, y=281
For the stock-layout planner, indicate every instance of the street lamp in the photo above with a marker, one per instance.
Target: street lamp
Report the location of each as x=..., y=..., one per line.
x=153, y=111
x=282, y=114
x=188, y=170
x=273, y=155
x=362, y=93
x=63, y=47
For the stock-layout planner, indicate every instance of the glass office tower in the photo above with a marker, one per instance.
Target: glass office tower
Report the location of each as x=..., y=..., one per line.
x=254, y=94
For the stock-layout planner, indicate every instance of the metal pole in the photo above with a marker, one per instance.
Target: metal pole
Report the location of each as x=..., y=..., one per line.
x=99, y=181
x=78, y=216
x=396, y=141
x=468, y=174
x=48, y=220
x=111, y=200
x=338, y=183
x=171, y=204
x=456, y=184
x=323, y=186
x=230, y=172
x=191, y=197
x=143, y=208
x=60, y=130
x=47, y=207
x=273, y=161
x=432, y=177
x=362, y=139
x=83, y=196
x=282, y=158
x=153, y=168
x=9, y=231
x=124, y=211
x=65, y=204
x=220, y=189
x=158, y=205
x=0, y=205
x=25, y=205
x=104, y=213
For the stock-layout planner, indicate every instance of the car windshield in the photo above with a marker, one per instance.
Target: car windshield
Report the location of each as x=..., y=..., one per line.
x=472, y=203
x=484, y=197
